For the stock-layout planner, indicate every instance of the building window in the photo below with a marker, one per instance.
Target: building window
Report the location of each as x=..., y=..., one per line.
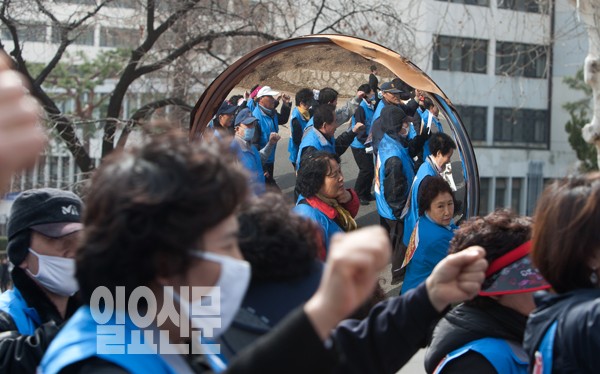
x=469, y=2
x=118, y=37
x=34, y=32
x=532, y=6
x=460, y=54
x=515, y=199
x=528, y=127
x=484, y=196
x=500, y=201
x=83, y=36
x=521, y=60
x=475, y=120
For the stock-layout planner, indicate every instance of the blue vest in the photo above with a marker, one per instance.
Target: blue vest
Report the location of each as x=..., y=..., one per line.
x=251, y=104
x=292, y=148
x=313, y=138
x=267, y=126
x=432, y=247
x=412, y=215
x=250, y=158
x=378, y=110
x=328, y=226
x=388, y=148
x=544, y=354
x=25, y=318
x=78, y=339
x=507, y=358
x=369, y=112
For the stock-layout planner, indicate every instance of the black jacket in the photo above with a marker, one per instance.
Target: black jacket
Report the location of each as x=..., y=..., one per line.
x=23, y=353
x=481, y=318
x=577, y=339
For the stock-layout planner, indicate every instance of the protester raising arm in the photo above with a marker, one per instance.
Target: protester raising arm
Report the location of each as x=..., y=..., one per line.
x=396, y=328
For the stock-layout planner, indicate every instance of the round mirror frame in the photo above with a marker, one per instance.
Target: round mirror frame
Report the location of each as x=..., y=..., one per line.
x=218, y=90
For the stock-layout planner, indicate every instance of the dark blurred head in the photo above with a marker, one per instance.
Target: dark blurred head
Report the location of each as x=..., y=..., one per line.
x=147, y=207
x=278, y=244
x=499, y=232
x=305, y=96
x=328, y=95
x=566, y=238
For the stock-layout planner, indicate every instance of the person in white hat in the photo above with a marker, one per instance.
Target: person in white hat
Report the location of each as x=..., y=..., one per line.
x=268, y=122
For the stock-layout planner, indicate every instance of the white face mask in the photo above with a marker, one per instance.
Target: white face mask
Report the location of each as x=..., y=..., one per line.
x=57, y=274
x=232, y=285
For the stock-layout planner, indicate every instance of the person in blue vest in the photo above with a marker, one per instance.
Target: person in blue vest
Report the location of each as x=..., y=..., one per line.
x=562, y=333
x=392, y=94
x=321, y=136
x=43, y=232
x=268, y=122
x=160, y=261
x=364, y=114
x=394, y=172
x=430, y=122
x=249, y=156
x=441, y=148
x=328, y=95
x=222, y=123
x=430, y=239
x=485, y=335
x=323, y=197
x=299, y=121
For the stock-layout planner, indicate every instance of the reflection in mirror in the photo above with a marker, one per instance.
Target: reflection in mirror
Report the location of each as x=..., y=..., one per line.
x=344, y=65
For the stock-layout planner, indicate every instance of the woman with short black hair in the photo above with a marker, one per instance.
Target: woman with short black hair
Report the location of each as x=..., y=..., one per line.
x=429, y=241
x=323, y=197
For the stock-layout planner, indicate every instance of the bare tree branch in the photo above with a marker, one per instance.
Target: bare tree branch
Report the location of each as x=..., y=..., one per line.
x=143, y=112
x=317, y=16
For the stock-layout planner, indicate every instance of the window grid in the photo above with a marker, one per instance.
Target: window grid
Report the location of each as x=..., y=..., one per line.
x=475, y=120
x=525, y=126
x=521, y=60
x=460, y=54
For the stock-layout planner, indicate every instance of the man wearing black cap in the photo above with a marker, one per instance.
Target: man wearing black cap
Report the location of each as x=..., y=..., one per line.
x=43, y=234
x=223, y=120
x=392, y=95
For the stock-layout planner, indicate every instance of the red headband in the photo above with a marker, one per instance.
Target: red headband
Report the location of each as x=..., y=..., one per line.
x=508, y=258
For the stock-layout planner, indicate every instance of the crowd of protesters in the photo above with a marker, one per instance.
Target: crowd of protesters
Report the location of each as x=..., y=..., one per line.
x=186, y=258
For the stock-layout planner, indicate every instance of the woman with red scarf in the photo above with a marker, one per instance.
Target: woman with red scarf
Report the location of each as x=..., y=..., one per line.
x=323, y=197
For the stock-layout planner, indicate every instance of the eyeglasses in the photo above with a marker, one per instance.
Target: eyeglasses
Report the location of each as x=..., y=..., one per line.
x=335, y=175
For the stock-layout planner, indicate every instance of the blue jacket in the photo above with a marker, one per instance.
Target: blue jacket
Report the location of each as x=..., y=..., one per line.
x=369, y=112
x=426, y=169
x=314, y=138
x=26, y=319
x=389, y=148
x=267, y=125
x=250, y=159
x=79, y=340
x=292, y=147
x=432, y=247
x=507, y=358
x=328, y=226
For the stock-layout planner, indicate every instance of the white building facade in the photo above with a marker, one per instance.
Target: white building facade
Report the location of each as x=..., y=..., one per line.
x=502, y=63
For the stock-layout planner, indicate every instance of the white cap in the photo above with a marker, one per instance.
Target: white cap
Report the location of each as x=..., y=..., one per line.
x=267, y=91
